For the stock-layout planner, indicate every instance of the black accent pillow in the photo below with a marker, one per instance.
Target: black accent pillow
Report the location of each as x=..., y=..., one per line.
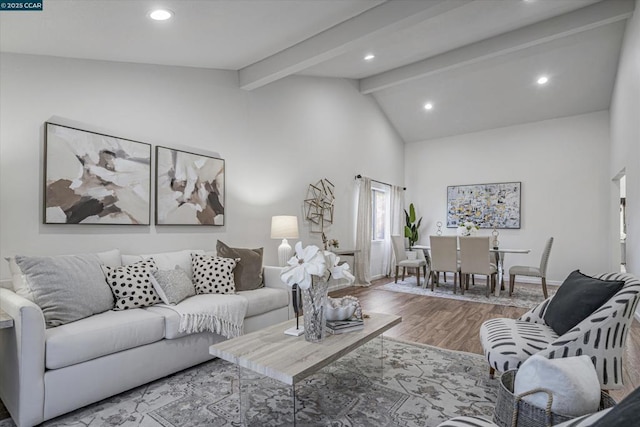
x=624, y=414
x=578, y=297
x=248, y=272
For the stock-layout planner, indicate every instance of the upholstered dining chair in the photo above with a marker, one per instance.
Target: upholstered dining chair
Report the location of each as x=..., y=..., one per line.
x=444, y=258
x=601, y=335
x=530, y=271
x=403, y=261
x=475, y=258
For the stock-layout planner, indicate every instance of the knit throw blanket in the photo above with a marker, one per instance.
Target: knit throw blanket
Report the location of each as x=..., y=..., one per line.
x=222, y=314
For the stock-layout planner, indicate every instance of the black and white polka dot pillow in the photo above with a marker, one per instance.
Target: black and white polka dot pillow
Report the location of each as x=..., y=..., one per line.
x=213, y=275
x=131, y=285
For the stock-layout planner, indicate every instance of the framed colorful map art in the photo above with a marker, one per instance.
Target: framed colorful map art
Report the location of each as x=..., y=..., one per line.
x=486, y=205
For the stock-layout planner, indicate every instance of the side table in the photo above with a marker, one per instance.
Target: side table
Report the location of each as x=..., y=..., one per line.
x=6, y=321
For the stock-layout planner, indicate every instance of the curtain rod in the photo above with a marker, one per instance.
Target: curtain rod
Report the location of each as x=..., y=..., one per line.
x=379, y=182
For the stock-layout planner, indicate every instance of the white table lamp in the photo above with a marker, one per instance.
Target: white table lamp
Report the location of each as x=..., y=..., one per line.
x=284, y=227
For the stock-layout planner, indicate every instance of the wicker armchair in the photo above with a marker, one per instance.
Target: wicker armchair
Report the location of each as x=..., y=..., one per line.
x=602, y=336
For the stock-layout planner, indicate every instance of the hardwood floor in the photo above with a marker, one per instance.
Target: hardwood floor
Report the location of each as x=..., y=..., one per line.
x=454, y=324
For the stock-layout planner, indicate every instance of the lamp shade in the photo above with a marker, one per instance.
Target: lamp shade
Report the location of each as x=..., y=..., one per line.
x=284, y=227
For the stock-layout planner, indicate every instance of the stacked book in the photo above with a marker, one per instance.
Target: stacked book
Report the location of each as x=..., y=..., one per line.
x=342, y=326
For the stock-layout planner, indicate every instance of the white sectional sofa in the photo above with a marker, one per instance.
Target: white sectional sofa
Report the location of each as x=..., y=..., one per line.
x=46, y=372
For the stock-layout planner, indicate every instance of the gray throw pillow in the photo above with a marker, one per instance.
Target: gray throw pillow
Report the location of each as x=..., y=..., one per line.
x=174, y=285
x=66, y=287
x=248, y=272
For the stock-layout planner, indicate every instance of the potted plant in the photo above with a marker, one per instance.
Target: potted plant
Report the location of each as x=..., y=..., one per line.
x=411, y=228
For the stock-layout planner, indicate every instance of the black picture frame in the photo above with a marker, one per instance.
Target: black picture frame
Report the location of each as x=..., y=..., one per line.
x=94, y=178
x=190, y=188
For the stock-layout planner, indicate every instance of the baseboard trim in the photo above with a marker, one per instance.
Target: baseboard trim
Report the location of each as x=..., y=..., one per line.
x=339, y=286
x=533, y=280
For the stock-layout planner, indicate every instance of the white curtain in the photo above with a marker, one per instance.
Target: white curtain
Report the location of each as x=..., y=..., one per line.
x=362, y=266
x=396, y=225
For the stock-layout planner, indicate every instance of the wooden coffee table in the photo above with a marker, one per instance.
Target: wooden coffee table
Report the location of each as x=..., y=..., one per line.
x=290, y=359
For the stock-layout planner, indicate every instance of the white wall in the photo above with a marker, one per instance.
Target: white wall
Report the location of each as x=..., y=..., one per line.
x=625, y=142
x=275, y=140
x=625, y=138
x=562, y=164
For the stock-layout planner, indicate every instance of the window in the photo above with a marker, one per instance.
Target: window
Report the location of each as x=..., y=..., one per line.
x=379, y=213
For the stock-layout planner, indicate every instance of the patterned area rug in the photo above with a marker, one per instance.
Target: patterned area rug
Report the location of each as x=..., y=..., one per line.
x=421, y=386
x=525, y=296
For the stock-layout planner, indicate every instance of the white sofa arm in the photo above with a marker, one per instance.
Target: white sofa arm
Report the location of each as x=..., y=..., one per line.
x=22, y=360
x=271, y=277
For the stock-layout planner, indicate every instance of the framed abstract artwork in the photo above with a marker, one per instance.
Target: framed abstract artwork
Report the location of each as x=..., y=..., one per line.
x=189, y=188
x=486, y=205
x=91, y=178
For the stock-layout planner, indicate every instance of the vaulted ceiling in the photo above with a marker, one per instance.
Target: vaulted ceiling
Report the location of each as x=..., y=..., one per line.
x=475, y=61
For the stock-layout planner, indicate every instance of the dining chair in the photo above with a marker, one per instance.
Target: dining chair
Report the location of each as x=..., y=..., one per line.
x=403, y=261
x=530, y=271
x=475, y=258
x=444, y=258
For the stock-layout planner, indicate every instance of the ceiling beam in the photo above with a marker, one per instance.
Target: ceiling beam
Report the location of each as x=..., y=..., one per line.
x=379, y=21
x=596, y=15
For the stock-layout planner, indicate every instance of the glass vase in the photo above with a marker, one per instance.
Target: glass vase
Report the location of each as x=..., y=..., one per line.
x=314, y=301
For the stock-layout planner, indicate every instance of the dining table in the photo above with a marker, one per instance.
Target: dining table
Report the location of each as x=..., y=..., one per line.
x=499, y=254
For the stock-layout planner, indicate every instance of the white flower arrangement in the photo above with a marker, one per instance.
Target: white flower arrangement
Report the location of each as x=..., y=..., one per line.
x=311, y=261
x=467, y=228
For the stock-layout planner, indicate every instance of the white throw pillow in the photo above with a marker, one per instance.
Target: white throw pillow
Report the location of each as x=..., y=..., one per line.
x=167, y=260
x=573, y=381
x=110, y=258
x=19, y=280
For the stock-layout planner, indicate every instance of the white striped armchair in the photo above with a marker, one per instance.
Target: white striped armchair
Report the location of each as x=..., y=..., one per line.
x=602, y=335
x=584, y=421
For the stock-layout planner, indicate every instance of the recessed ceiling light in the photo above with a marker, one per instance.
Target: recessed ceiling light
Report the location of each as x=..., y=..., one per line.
x=160, y=14
x=369, y=57
x=542, y=80
x=428, y=106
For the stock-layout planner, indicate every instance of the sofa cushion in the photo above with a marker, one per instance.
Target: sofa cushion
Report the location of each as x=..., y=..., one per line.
x=260, y=301
x=167, y=260
x=131, y=285
x=172, y=285
x=578, y=297
x=248, y=272
x=264, y=300
x=509, y=342
x=100, y=335
x=171, y=321
x=66, y=287
x=213, y=275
